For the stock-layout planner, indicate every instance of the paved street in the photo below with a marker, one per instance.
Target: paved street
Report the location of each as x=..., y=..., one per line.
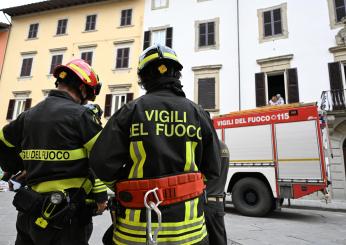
x=290, y=226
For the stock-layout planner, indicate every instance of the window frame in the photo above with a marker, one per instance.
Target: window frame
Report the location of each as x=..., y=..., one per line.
x=126, y=18
x=36, y=34
x=272, y=23
x=88, y=50
x=122, y=58
x=86, y=21
x=23, y=57
x=332, y=15
x=57, y=28
x=216, y=44
x=274, y=73
x=154, y=7
x=204, y=72
x=16, y=113
x=50, y=72
x=113, y=109
x=120, y=45
x=284, y=24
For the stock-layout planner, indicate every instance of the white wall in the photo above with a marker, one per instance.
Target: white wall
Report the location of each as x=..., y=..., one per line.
x=181, y=15
x=309, y=39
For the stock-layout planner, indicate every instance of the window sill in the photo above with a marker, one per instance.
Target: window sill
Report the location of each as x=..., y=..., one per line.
x=24, y=78
x=209, y=47
x=212, y=110
x=273, y=38
x=87, y=31
x=31, y=39
x=125, y=26
x=157, y=8
x=60, y=35
x=122, y=69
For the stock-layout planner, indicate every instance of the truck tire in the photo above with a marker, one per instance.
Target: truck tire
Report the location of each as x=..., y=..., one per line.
x=251, y=197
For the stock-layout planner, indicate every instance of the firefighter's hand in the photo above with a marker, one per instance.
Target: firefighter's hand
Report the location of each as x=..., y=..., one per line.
x=101, y=207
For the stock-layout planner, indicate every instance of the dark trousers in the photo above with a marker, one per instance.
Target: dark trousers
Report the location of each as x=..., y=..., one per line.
x=214, y=218
x=28, y=233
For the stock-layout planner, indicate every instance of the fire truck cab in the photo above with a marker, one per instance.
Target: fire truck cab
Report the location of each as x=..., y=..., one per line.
x=276, y=152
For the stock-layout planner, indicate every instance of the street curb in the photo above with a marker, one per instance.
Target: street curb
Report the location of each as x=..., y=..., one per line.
x=330, y=209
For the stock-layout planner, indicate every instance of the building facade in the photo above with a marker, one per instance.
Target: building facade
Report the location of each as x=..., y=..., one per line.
x=107, y=34
x=4, y=32
x=238, y=54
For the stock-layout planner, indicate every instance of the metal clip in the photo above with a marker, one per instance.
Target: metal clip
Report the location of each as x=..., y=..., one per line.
x=152, y=239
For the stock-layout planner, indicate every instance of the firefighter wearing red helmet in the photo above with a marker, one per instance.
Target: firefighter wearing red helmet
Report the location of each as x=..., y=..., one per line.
x=155, y=152
x=51, y=142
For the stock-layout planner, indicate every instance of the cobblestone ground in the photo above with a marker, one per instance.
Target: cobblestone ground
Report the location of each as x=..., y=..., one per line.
x=290, y=226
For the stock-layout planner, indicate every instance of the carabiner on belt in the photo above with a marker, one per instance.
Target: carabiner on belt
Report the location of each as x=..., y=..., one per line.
x=150, y=205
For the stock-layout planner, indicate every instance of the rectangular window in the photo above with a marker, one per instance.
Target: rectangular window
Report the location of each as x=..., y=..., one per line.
x=26, y=67
x=340, y=6
x=158, y=37
x=118, y=100
x=62, y=24
x=114, y=102
x=56, y=60
x=33, y=29
x=206, y=34
x=90, y=24
x=206, y=93
x=122, y=58
x=272, y=22
x=158, y=4
x=17, y=106
x=126, y=17
x=87, y=56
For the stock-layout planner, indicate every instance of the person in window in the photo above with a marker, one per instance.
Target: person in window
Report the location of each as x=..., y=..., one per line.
x=273, y=100
x=280, y=100
x=159, y=138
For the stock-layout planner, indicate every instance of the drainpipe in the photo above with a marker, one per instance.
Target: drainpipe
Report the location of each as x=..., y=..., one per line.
x=238, y=42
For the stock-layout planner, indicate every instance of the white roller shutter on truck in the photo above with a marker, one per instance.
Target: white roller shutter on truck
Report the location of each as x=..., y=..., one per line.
x=298, y=151
x=250, y=144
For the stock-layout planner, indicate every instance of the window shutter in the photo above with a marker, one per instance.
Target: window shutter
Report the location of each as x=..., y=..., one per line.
x=336, y=85
x=27, y=104
x=129, y=17
x=108, y=105
x=10, y=109
x=260, y=89
x=206, y=93
x=123, y=18
x=126, y=57
x=146, y=43
x=129, y=97
x=169, y=37
x=335, y=77
x=292, y=84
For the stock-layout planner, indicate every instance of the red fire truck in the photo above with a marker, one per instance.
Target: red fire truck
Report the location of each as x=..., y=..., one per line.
x=276, y=152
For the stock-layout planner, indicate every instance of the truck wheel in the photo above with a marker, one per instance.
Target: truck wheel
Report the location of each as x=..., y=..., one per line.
x=251, y=197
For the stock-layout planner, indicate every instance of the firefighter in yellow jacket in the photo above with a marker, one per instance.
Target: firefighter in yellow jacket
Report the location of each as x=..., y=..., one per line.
x=52, y=142
x=161, y=140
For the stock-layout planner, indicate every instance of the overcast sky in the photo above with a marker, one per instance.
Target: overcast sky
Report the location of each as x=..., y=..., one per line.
x=12, y=3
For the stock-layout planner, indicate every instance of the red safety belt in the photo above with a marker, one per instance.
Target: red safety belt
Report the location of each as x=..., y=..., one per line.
x=172, y=189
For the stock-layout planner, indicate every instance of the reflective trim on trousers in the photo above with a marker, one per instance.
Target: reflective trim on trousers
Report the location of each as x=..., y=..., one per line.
x=187, y=239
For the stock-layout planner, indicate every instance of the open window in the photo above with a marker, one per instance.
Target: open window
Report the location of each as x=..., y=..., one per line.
x=284, y=83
